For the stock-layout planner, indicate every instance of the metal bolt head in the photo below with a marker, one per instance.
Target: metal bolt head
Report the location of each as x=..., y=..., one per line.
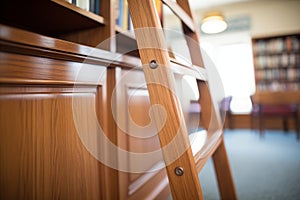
x=179, y=171
x=153, y=64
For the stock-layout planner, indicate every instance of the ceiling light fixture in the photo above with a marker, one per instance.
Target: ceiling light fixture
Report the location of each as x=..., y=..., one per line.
x=213, y=22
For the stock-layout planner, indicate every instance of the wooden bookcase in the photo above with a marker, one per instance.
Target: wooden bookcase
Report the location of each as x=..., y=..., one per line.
x=44, y=44
x=63, y=20
x=277, y=63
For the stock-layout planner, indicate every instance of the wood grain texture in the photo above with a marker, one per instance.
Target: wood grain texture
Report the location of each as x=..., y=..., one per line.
x=192, y=37
x=180, y=13
x=40, y=77
x=136, y=135
x=223, y=172
x=215, y=146
x=81, y=12
x=19, y=41
x=112, y=189
x=35, y=16
x=159, y=81
x=41, y=154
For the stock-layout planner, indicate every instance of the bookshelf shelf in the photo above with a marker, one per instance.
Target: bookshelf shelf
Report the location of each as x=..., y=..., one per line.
x=126, y=33
x=47, y=49
x=83, y=13
x=48, y=17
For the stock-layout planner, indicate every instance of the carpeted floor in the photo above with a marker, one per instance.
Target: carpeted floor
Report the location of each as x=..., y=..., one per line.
x=263, y=168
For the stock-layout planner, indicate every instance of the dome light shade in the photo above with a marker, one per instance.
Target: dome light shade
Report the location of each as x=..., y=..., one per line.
x=213, y=22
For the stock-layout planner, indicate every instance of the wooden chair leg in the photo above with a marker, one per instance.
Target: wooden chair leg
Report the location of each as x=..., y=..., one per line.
x=223, y=173
x=297, y=125
x=252, y=122
x=229, y=120
x=285, y=124
x=261, y=125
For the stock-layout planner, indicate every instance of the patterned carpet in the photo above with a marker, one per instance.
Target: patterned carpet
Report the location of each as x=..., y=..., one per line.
x=263, y=168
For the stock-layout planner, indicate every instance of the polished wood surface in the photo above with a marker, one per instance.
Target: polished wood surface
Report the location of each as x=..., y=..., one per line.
x=25, y=42
x=137, y=135
x=159, y=81
x=42, y=154
x=181, y=14
x=35, y=16
x=67, y=22
x=223, y=173
x=161, y=86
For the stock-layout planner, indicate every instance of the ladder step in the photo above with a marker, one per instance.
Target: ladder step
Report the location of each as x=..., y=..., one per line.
x=180, y=13
x=203, y=144
x=197, y=72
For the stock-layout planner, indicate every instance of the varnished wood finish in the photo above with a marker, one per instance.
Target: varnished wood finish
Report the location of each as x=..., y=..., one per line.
x=40, y=160
x=84, y=37
x=35, y=16
x=174, y=124
x=209, y=113
x=160, y=82
x=67, y=21
x=180, y=13
x=20, y=41
x=81, y=12
x=223, y=173
x=42, y=156
x=137, y=135
x=96, y=35
x=111, y=175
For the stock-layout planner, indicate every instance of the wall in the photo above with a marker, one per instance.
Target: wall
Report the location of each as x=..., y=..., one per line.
x=268, y=17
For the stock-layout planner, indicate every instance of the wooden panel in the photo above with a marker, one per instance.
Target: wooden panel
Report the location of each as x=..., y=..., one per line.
x=137, y=134
x=41, y=154
x=40, y=78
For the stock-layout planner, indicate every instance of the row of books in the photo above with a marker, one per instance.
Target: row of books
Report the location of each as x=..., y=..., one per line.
x=120, y=7
x=274, y=61
x=283, y=75
x=89, y=5
x=121, y=10
x=277, y=45
x=276, y=86
x=123, y=19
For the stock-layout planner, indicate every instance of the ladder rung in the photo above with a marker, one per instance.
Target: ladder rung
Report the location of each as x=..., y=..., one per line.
x=195, y=71
x=203, y=145
x=180, y=13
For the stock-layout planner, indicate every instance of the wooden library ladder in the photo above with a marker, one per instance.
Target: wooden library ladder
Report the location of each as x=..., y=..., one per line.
x=182, y=162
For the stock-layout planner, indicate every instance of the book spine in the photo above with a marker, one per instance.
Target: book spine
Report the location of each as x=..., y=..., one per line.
x=92, y=6
x=97, y=7
x=125, y=15
x=84, y=4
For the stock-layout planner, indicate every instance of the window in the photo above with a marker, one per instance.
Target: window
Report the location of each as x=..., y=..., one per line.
x=232, y=55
